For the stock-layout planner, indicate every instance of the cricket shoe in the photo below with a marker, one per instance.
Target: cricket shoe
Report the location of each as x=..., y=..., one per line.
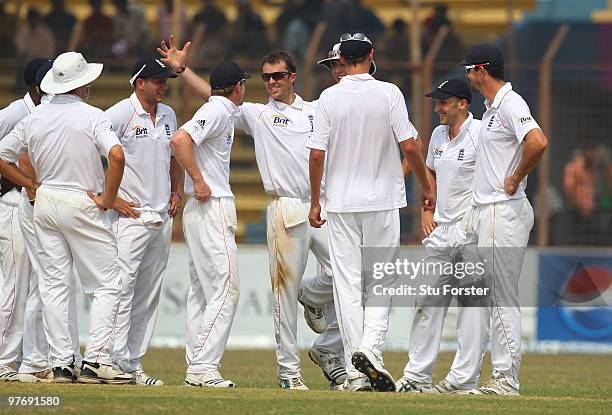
x=100, y=373
x=44, y=376
x=8, y=374
x=330, y=364
x=315, y=318
x=210, y=379
x=371, y=365
x=360, y=384
x=141, y=378
x=444, y=386
x=497, y=385
x=293, y=384
x=63, y=374
x=406, y=385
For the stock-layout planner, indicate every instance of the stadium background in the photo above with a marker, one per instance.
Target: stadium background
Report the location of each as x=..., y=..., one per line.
x=558, y=57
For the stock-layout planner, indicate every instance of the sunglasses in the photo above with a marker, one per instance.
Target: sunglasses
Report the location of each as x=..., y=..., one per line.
x=355, y=36
x=468, y=68
x=277, y=76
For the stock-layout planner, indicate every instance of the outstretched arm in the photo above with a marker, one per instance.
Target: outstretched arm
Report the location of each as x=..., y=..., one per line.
x=177, y=60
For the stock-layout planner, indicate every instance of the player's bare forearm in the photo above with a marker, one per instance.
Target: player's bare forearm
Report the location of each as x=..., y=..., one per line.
x=412, y=153
x=534, y=145
x=17, y=176
x=198, y=85
x=315, y=167
x=177, y=176
x=116, y=163
x=184, y=154
x=26, y=167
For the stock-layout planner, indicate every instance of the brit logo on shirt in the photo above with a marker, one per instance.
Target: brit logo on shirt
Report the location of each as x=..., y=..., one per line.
x=167, y=130
x=461, y=154
x=438, y=152
x=279, y=121
x=141, y=132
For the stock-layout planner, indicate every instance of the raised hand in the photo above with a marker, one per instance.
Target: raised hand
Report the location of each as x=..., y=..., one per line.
x=175, y=58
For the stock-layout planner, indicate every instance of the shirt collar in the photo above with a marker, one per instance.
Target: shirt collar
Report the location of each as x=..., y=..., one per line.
x=229, y=105
x=298, y=103
x=464, y=126
x=28, y=101
x=137, y=105
x=66, y=99
x=357, y=77
x=499, y=96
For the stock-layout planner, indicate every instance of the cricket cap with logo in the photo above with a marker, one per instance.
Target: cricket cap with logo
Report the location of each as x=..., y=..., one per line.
x=70, y=71
x=334, y=55
x=451, y=88
x=226, y=74
x=150, y=68
x=484, y=54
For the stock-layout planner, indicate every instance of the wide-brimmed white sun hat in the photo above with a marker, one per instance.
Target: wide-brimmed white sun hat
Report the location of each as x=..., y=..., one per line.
x=70, y=71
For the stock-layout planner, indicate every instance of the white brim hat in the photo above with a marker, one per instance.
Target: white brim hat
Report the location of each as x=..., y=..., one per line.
x=334, y=55
x=70, y=71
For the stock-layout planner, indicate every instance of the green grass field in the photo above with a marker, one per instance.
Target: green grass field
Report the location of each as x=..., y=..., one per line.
x=550, y=384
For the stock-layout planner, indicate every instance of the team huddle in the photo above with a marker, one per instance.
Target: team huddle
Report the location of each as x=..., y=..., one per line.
x=335, y=170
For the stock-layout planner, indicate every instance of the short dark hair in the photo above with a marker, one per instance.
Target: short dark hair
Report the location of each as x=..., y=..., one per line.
x=355, y=61
x=278, y=57
x=495, y=72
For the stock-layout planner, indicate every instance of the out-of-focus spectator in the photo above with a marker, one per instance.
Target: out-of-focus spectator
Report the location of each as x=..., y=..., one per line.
x=360, y=17
x=291, y=9
x=209, y=40
x=587, y=181
x=8, y=27
x=295, y=36
x=130, y=29
x=61, y=23
x=165, y=15
x=34, y=39
x=249, y=37
x=95, y=33
x=452, y=49
x=396, y=47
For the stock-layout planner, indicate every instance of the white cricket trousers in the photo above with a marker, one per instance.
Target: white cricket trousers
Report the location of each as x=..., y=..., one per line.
x=442, y=246
x=210, y=233
x=348, y=233
x=15, y=272
x=35, y=345
x=290, y=238
x=502, y=229
x=143, y=246
x=70, y=227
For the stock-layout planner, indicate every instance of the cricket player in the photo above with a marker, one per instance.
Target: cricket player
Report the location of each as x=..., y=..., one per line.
x=357, y=127
x=64, y=140
x=149, y=196
x=15, y=266
x=34, y=366
x=510, y=145
x=203, y=146
x=450, y=162
x=280, y=129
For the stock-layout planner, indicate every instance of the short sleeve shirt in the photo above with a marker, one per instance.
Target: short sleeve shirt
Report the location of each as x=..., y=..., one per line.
x=500, y=146
x=146, y=145
x=212, y=131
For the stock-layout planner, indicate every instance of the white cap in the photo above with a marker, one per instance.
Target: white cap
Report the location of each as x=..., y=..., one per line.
x=70, y=71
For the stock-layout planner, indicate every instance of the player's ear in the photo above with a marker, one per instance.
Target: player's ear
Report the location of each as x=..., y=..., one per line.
x=292, y=77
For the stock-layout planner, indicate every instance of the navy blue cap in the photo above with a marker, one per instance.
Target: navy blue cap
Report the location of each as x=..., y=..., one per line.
x=451, y=88
x=42, y=71
x=226, y=74
x=484, y=54
x=29, y=74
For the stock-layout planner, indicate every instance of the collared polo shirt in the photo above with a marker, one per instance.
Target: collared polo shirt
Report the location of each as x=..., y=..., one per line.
x=280, y=132
x=212, y=130
x=146, y=145
x=64, y=140
x=15, y=112
x=453, y=161
x=500, y=146
x=359, y=123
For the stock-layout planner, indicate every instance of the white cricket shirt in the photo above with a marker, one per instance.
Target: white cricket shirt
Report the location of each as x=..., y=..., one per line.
x=64, y=140
x=359, y=123
x=212, y=130
x=280, y=132
x=13, y=113
x=146, y=145
x=453, y=161
x=504, y=126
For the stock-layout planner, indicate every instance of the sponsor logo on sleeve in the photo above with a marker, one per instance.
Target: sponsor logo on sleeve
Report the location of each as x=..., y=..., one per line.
x=167, y=130
x=525, y=120
x=201, y=123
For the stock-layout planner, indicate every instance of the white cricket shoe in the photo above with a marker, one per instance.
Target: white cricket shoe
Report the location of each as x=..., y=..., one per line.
x=44, y=376
x=406, y=385
x=293, y=384
x=330, y=364
x=315, y=318
x=8, y=374
x=444, y=386
x=100, y=373
x=210, y=379
x=497, y=385
x=141, y=378
x=360, y=384
x=370, y=364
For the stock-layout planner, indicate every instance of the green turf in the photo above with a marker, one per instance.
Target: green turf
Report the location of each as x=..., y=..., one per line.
x=551, y=384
